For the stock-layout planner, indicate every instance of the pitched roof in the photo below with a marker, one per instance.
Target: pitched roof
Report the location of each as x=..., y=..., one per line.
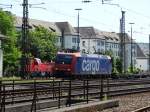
x=110, y=35
x=91, y=32
x=127, y=38
x=33, y=22
x=140, y=53
x=144, y=47
x=86, y=32
x=66, y=27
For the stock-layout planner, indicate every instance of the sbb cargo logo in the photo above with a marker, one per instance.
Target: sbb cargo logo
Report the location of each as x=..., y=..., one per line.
x=90, y=65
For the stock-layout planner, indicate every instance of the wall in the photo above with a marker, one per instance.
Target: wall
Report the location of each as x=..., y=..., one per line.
x=68, y=42
x=142, y=63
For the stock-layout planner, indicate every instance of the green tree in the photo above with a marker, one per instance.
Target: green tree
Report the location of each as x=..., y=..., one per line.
x=118, y=65
x=10, y=50
x=110, y=53
x=43, y=43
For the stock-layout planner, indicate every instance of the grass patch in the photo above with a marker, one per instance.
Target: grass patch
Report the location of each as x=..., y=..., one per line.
x=10, y=78
x=18, y=80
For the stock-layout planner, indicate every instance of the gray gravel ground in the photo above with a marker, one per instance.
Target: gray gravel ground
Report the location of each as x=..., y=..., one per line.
x=131, y=102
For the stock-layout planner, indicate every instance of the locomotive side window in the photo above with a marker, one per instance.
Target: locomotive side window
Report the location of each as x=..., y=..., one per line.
x=37, y=61
x=63, y=59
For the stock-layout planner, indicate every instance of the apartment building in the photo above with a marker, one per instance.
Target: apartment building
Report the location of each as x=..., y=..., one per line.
x=96, y=41
x=66, y=34
x=69, y=36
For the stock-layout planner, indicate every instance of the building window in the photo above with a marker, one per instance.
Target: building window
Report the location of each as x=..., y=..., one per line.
x=99, y=50
x=98, y=43
x=102, y=50
x=57, y=40
x=74, y=40
x=73, y=47
x=102, y=43
x=83, y=43
x=83, y=51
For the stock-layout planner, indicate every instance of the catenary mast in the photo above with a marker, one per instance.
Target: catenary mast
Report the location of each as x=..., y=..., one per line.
x=24, y=39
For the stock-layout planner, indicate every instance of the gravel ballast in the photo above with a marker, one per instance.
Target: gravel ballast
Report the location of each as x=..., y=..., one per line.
x=131, y=102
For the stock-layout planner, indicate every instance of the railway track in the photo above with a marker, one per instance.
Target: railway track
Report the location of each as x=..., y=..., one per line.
x=61, y=90
x=143, y=109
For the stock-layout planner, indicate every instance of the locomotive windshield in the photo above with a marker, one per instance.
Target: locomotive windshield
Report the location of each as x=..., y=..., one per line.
x=63, y=59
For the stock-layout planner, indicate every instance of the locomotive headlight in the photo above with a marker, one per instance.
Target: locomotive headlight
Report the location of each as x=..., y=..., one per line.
x=68, y=69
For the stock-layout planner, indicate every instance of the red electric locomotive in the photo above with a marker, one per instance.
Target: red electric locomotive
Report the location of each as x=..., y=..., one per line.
x=76, y=64
x=64, y=64
x=38, y=69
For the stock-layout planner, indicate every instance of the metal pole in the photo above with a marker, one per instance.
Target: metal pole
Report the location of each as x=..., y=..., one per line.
x=78, y=33
x=149, y=53
x=62, y=40
x=131, y=48
x=105, y=45
x=101, y=88
x=24, y=46
x=84, y=88
x=108, y=86
x=131, y=51
x=78, y=39
x=35, y=96
x=69, y=94
x=13, y=91
x=123, y=43
x=59, y=94
x=87, y=91
x=3, y=99
x=53, y=88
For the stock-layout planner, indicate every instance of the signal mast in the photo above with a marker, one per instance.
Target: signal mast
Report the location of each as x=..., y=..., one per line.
x=24, y=39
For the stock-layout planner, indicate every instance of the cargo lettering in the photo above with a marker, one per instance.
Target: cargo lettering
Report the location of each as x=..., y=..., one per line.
x=90, y=65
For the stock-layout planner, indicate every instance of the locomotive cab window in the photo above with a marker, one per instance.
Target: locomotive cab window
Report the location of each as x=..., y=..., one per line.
x=37, y=61
x=63, y=59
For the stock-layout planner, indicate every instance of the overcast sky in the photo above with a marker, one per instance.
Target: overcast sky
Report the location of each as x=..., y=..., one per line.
x=103, y=17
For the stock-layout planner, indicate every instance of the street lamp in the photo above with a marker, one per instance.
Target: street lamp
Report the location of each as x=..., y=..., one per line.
x=131, y=48
x=78, y=40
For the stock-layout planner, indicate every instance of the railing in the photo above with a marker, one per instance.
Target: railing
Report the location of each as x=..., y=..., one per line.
x=15, y=92
x=20, y=91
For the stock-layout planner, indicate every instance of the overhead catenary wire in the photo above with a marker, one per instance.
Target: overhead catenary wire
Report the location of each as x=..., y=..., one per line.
x=68, y=1
x=81, y=18
x=91, y=20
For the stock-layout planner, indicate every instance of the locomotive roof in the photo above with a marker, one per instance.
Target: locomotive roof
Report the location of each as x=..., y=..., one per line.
x=75, y=54
x=96, y=56
x=78, y=54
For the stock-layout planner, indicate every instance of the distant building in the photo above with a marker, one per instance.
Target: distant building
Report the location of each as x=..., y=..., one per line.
x=66, y=34
x=128, y=52
x=91, y=41
x=96, y=41
x=142, y=59
x=142, y=63
x=34, y=23
x=69, y=36
x=144, y=47
x=2, y=37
